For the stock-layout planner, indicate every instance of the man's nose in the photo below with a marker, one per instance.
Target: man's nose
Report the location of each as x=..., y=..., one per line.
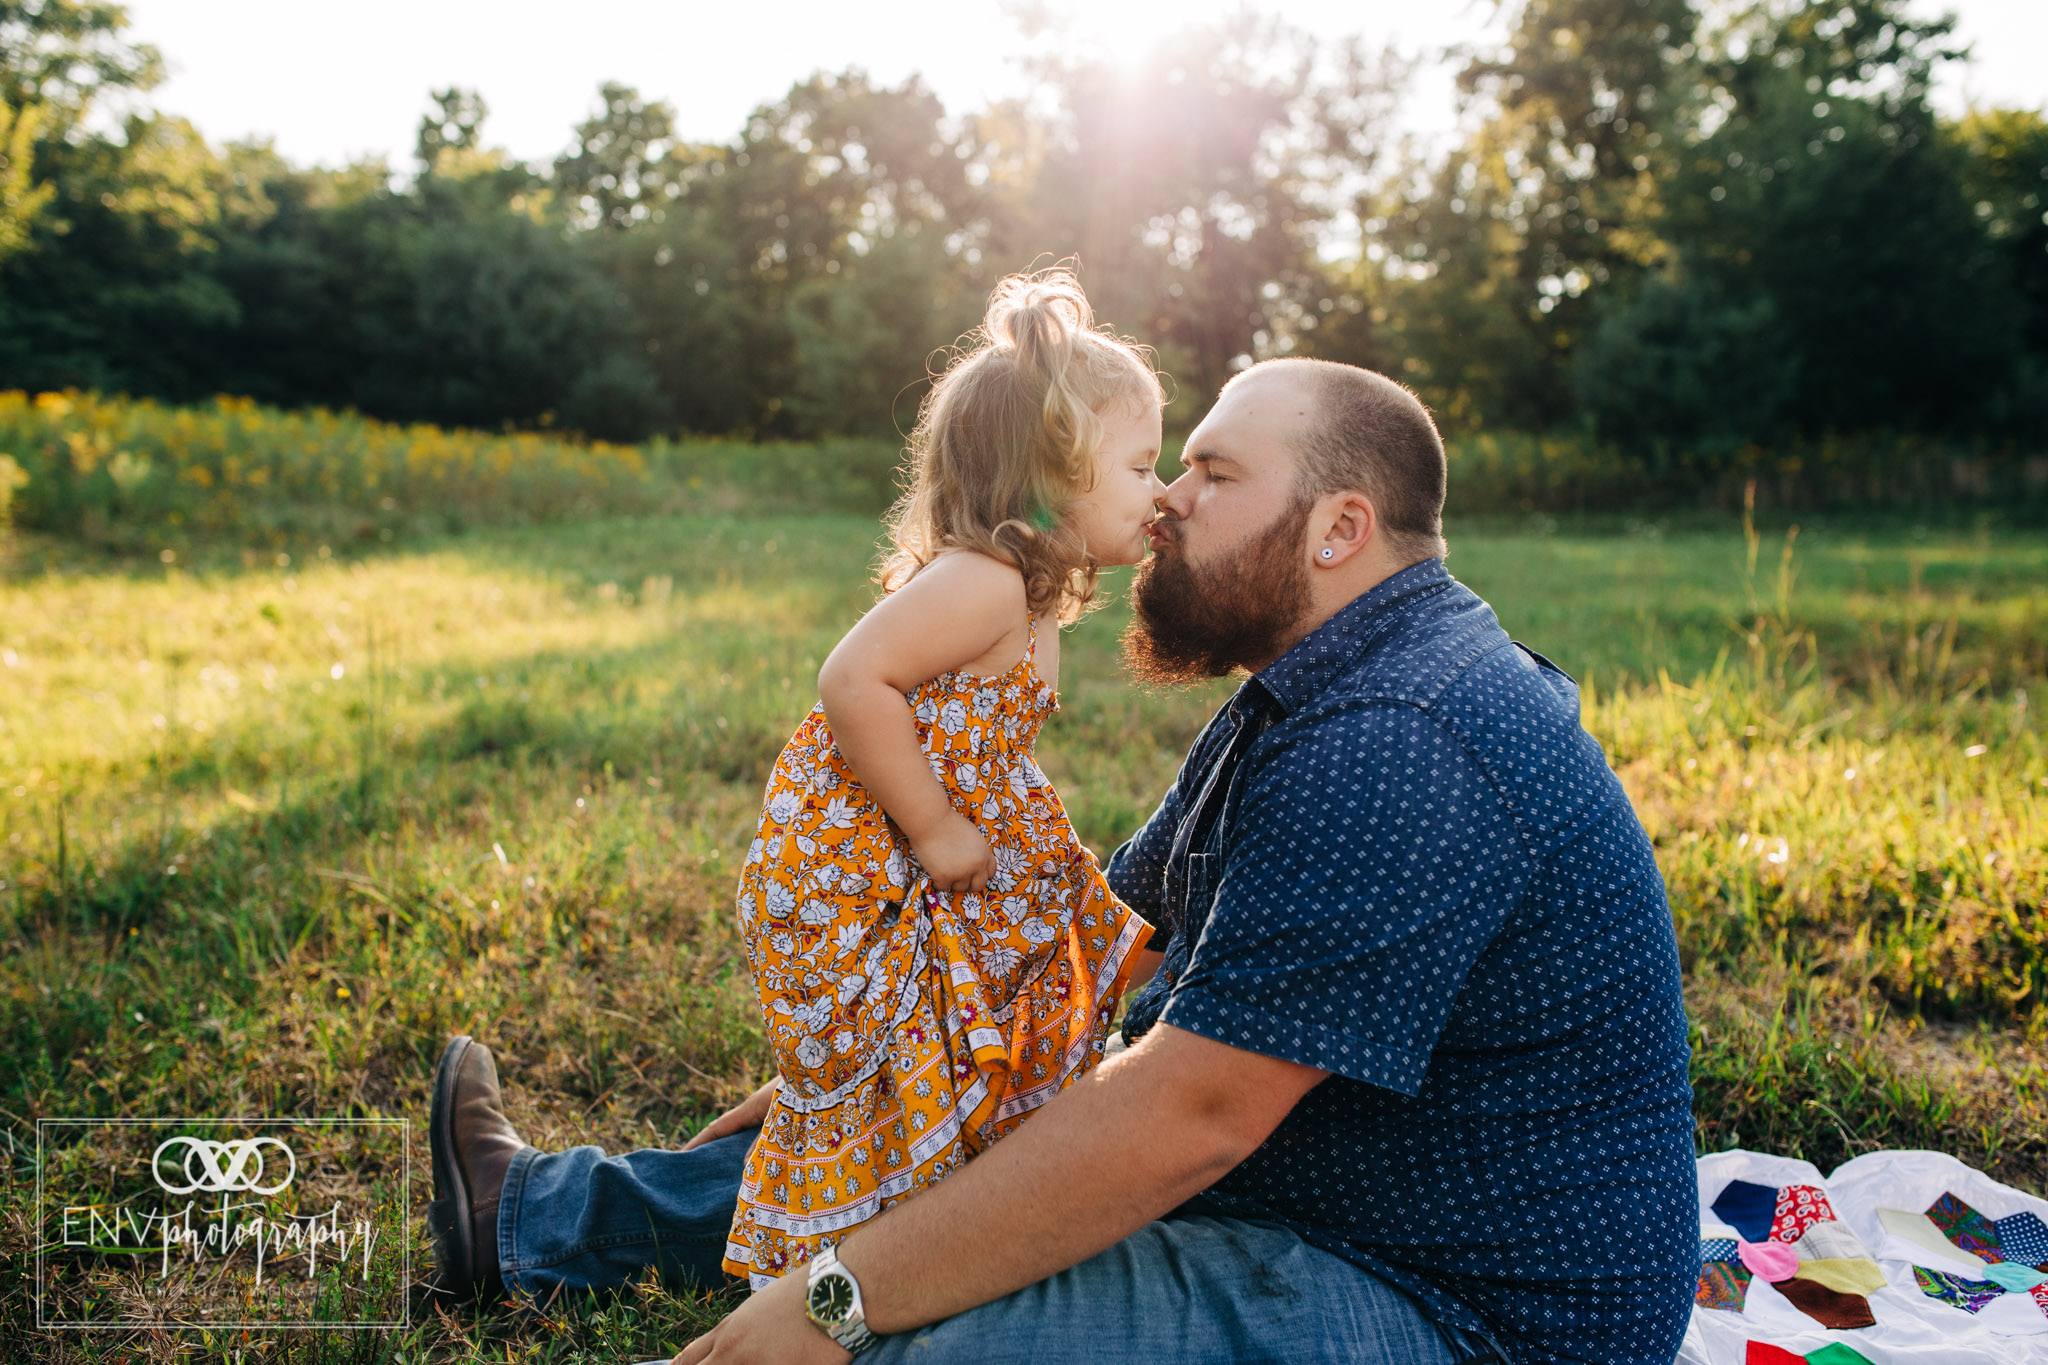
x=1177, y=498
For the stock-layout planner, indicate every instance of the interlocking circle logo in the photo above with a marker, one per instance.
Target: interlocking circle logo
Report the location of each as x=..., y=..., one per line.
x=224, y=1167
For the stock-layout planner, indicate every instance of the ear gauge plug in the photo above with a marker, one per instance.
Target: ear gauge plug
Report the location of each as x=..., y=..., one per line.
x=1328, y=552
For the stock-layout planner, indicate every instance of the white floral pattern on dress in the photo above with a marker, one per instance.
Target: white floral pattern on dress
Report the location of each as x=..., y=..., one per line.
x=913, y=1027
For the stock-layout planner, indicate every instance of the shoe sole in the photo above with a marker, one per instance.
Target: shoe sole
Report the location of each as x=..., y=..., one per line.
x=451, y=1193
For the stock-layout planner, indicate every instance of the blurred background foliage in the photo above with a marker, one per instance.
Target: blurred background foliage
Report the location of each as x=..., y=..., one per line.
x=1689, y=244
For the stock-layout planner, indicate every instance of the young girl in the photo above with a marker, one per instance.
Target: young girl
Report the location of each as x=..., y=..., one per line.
x=936, y=952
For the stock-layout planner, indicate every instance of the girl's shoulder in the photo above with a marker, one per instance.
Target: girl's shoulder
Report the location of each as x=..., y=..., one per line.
x=960, y=564
x=962, y=610
x=970, y=579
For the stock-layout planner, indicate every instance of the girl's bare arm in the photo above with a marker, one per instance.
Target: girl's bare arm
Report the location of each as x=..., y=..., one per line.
x=955, y=610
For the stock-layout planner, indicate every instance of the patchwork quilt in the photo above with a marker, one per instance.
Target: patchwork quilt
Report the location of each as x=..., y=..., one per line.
x=1896, y=1258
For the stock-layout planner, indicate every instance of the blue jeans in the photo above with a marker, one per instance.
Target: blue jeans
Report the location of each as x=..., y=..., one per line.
x=1193, y=1287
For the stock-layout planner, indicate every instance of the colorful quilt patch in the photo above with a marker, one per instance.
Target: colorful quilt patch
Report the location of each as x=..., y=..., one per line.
x=2020, y=1279
x=1797, y=1208
x=1919, y=1230
x=1717, y=1248
x=1763, y=1353
x=1832, y=1309
x=2022, y=1237
x=1966, y=1227
x=1846, y=1276
x=1834, y=1353
x=1723, y=1284
x=1968, y=1295
x=1748, y=1208
x=1773, y=1260
x=1832, y=1242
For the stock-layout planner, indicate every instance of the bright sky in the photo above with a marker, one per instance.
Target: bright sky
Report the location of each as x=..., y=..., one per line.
x=331, y=82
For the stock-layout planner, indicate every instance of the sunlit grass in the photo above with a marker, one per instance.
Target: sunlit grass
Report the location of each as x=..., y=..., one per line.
x=269, y=832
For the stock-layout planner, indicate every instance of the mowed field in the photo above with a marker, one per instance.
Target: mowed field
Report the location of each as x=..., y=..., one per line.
x=271, y=831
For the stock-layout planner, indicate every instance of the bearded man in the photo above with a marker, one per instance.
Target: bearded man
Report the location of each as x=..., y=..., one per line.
x=1409, y=1084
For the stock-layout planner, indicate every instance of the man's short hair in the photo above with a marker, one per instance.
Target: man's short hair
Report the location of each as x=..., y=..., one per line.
x=1370, y=435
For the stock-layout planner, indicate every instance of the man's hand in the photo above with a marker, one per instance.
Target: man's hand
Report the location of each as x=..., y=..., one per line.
x=955, y=855
x=768, y=1329
x=750, y=1112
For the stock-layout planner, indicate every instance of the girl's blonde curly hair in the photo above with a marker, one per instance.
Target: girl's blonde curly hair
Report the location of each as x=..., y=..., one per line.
x=1010, y=435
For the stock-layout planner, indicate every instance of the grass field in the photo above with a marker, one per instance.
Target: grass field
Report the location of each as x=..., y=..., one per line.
x=270, y=831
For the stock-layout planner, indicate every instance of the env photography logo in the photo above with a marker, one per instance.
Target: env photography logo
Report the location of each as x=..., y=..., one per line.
x=220, y=1223
x=213, y=1177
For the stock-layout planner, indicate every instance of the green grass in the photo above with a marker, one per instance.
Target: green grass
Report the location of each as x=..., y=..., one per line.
x=269, y=833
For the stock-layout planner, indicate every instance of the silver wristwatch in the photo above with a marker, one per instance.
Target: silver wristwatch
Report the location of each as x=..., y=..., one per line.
x=832, y=1303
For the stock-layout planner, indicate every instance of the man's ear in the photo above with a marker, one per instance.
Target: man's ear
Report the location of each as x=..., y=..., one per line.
x=1349, y=523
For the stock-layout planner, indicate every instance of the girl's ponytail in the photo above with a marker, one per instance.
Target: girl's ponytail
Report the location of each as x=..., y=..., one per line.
x=1044, y=318
x=1038, y=316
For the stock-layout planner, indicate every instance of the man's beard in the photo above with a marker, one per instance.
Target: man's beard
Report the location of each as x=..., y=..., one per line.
x=1188, y=624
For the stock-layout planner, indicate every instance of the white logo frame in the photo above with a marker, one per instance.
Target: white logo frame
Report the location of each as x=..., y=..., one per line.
x=406, y=1281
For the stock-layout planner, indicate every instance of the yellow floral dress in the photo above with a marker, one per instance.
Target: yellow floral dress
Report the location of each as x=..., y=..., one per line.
x=913, y=1027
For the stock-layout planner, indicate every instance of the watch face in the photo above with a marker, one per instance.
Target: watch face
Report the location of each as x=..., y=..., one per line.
x=831, y=1298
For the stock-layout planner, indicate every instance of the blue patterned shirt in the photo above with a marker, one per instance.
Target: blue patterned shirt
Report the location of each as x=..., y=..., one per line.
x=1396, y=856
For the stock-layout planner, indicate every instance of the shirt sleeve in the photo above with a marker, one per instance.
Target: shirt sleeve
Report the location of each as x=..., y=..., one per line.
x=1367, y=864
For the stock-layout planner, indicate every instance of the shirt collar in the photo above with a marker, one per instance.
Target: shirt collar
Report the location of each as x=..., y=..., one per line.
x=1297, y=677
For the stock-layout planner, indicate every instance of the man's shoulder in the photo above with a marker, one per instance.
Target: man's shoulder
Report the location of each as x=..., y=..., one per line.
x=1414, y=659
x=1423, y=650
x=1429, y=667
x=1450, y=658
x=1446, y=678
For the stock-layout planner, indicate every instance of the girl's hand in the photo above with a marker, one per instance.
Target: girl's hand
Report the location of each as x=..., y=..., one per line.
x=955, y=856
x=748, y=1113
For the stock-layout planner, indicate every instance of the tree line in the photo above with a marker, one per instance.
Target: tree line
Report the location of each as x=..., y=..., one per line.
x=1684, y=229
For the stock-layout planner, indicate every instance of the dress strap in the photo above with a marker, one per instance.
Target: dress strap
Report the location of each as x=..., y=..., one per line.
x=1031, y=650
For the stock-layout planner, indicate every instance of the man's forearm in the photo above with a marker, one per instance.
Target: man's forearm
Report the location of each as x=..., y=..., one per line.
x=1130, y=1141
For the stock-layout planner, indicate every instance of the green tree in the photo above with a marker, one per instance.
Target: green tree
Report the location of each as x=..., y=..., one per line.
x=1193, y=186
x=113, y=283
x=462, y=301
x=626, y=162
x=504, y=322
x=835, y=165
x=1820, y=220
x=101, y=277
x=63, y=53
x=21, y=198
x=721, y=364
x=867, y=339
x=454, y=125
x=737, y=269
x=1584, y=103
x=1689, y=371
x=2004, y=171
x=1490, y=260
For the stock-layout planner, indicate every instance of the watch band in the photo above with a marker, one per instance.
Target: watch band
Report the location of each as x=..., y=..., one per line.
x=850, y=1332
x=854, y=1337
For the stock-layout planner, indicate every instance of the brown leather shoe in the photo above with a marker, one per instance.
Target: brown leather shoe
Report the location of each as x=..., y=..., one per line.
x=473, y=1144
